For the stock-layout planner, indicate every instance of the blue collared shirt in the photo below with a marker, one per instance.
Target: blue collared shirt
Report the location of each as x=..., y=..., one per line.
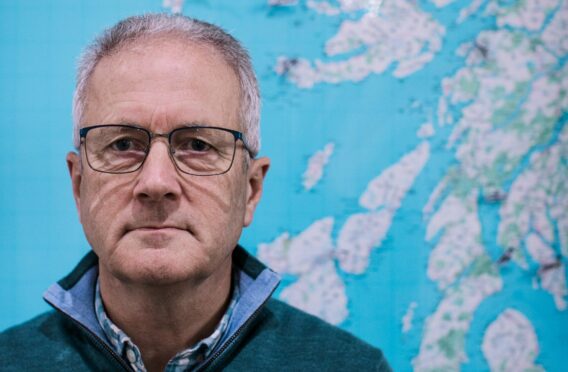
x=185, y=360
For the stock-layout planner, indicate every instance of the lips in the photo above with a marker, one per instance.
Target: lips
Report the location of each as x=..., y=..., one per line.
x=154, y=228
x=157, y=227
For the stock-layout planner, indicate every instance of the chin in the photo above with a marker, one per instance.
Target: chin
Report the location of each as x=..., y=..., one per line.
x=152, y=272
x=159, y=266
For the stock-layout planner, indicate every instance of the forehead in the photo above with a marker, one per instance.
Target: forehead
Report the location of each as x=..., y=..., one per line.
x=163, y=82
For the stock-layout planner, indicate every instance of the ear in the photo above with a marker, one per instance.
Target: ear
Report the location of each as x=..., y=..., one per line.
x=256, y=173
x=74, y=165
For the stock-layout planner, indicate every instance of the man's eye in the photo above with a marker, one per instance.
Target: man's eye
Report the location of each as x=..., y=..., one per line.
x=124, y=144
x=198, y=145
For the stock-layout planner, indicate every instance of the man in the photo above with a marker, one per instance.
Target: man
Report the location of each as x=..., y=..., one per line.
x=165, y=177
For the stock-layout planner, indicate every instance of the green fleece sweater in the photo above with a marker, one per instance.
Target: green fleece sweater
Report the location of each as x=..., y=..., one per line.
x=283, y=339
x=272, y=337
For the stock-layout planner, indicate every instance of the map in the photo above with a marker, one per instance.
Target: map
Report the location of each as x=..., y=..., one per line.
x=501, y=203
x=418, y=189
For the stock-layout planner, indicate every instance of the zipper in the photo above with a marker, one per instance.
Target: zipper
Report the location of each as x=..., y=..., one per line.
x=235, y=335
x=96, y=340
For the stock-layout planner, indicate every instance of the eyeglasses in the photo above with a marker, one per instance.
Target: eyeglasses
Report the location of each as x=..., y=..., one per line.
x=197, y=150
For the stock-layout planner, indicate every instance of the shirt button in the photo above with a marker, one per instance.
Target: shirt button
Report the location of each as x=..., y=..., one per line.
x=130, y=356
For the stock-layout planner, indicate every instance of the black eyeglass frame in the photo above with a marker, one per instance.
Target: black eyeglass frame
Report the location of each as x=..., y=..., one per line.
x=151, y=135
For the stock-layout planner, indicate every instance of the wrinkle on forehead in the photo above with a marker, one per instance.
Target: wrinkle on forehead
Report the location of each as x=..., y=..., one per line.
x=162, y=73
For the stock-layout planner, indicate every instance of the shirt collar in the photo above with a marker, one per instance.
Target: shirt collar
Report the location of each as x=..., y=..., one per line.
x=183, y=360
x=74, y=297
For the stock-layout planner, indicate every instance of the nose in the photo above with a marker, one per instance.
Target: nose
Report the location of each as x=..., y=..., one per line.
x=157, y=179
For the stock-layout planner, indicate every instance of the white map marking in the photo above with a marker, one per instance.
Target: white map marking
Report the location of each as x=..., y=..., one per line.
x=390, y=32
x=442, y=346
x=311, y=257
x=408, y=317
x=388, y=189
x=282, y=2
x=471, y=9
x=298, y=255
x=323, y=7
x=529, y=14
x=319, y=290
x=465, y=12
x=359, y=235
x=383, y=196
x=510, y=343
x=536, y=204
x=554, y=36
x=459, y=242
x=443, y=115
x=176, y=6
x=551, y=272
x=316, y=165
x=442, y=3
x=426, y=130
x=509, y=98
x=435, y=196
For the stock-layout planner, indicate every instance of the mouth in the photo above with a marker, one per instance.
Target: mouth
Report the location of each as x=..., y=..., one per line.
x=155, y=236
x=155, y=229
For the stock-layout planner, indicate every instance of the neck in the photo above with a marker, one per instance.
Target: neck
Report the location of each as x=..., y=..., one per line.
x=164, y=320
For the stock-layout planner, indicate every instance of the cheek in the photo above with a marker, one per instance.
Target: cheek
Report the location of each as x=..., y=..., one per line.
x=101, y=205
x=221, y=202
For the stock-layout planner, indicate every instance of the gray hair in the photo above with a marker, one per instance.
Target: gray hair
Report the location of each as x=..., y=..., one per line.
x=140, y=27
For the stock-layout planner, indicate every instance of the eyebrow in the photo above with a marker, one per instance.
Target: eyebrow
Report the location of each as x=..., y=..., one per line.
x=124, y=121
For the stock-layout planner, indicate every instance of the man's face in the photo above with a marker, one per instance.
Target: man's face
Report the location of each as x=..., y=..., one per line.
x=158, y=225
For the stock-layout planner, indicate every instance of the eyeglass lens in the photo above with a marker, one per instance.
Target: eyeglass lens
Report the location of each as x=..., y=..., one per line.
x=123, y=149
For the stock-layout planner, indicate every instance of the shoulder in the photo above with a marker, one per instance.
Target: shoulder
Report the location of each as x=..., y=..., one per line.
x=294, y=339
x=36, y=344
x=27, y=331
x=292, y=324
